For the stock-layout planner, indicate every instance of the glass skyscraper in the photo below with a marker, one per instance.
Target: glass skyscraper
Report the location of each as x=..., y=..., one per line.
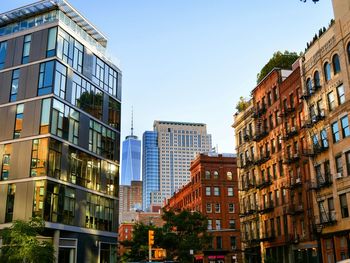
x=131, y=160
x=150, y=166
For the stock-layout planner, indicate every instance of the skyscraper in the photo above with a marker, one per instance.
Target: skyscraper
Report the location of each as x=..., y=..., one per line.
x=60, y=102
x=131, y=158
x=176, y=144
x=150, y=167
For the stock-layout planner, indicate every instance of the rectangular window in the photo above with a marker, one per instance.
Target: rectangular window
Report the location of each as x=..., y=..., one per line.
x=95, y=218
x=347, y=156
x=331, y=101
x=335, y=132
x=216, y=191
x=10, y=202
x=3, y=49
x=207, y=191
x=102, y=140
x=45, y=116
x=60, y=80
x=38, y=202
x=233, y=242
x=209, y=210
x=26, y=48
x=230, y=191
x=324, y=138
x=344, y=206
x=210, y=224
x=114, y=114
x=70, y=50
x=345, y=126
x=338, y=164
x=18, y=121
x=51, y=42
x=232, y=224
x=217, y=224
x=39, y=157
x=217, y=208
x=6, y=162
x=278, y=222
x=219, y=242
x=65, y=122
x=46, y=78
x=341, y=94
x=14, y=84
x=231, y=208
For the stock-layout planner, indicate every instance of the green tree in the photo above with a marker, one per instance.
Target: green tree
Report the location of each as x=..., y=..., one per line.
x=242, y=104
x=182, y=232
x=278, y=60
x=20, y=243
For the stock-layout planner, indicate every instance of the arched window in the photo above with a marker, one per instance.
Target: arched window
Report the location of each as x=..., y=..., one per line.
x=309, y=85
x=317, y=81
x=327, y=71
x=336, y=64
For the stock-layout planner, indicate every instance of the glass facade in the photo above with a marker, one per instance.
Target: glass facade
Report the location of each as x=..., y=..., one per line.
x=3, y=49
x=150, y=166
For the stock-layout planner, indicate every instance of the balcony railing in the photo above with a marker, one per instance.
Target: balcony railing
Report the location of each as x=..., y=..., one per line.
x=247, y=185
x=264, y=183
x=295, y=182
x=286, y=111
x=259, y=135
x=267, y=237
x=267, y=208
x=322, y=181
x=248, y=212
x=247, y=137
x=293, y=239
x=326, y=218
x=290, y=133
x=315, y=118
x=291, y=158
x=294, y=209
x=259, y=112
x=262, y=159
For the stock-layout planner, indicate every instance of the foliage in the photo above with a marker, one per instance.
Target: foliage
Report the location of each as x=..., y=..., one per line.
x=181, y=232
x=184, y=231
x=20, y=243
x=242, y=104
x=278, y=60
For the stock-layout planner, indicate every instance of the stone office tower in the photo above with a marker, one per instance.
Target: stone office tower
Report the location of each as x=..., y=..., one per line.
x=60, y=102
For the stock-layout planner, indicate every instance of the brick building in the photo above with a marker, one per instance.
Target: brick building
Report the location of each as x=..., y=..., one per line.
x=213, y=191
x=325, y=75
x=274, y=201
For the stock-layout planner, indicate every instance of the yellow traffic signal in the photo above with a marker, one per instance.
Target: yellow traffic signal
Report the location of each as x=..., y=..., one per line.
x=150, y=237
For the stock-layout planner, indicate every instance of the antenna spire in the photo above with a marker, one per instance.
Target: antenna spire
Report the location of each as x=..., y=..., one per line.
x=132, y=121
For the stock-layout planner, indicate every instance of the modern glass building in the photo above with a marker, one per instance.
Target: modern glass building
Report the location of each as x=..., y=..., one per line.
x=131, y=160
x=150, y=167
x=60, y=101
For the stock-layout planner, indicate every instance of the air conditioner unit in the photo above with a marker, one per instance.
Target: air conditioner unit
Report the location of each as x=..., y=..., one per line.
x=338, y=175
x=298, y=180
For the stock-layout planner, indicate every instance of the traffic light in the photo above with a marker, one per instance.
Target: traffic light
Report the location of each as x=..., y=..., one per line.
x=150, y=237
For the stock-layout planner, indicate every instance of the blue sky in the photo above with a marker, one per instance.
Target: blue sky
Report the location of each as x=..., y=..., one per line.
x=191, y=60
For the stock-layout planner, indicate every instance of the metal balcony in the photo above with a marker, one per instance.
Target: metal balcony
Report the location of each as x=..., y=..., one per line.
x=262, y=159
x=266, y=208
x=246, y=186
x=248, y=212
x=293, y=209
x=247, y=137
x=258, y=136
x=259, y=112
x=291, y=158
x=293, y=239
x=322, y=182
x=295, y=182
x=326, y=218
x=264, y=183
x=286, y=111
x=267, y=237
x=290, y=133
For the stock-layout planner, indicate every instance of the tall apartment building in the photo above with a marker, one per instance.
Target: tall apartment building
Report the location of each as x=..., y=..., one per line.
x=325, y=74
x=178, y=144
x=60, y=102
x=274, y=175
x=213, y=191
